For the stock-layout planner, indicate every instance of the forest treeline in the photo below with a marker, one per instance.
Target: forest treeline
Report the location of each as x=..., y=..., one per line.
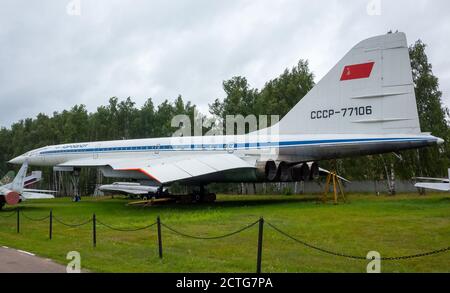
x=122, y=119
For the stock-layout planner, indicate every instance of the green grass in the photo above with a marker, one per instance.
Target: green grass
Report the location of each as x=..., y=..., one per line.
x=400, y=225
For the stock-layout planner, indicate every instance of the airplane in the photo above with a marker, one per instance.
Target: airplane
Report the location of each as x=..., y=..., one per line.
x=442, y=185
x=33, y=178
x=131, y=188
x=364, y=105
x=14, y=192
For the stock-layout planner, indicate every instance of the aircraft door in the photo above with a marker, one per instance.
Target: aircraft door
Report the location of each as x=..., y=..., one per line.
x=230, y=147
x=95, y=153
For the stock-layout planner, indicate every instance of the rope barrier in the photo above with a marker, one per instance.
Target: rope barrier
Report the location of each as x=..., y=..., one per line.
x=10, y=214
x=354, y=256
x=34, y=219
x=304, y=243
x=71, y=225
x=213, y=237
x=125, y=230
x=417, y=255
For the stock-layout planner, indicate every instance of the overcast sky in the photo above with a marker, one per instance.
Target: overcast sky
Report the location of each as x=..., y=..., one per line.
x=56, y=53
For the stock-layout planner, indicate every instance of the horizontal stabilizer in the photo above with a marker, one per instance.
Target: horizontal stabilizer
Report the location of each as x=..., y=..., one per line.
x=39, y=190
x=435, y=186
x=36, y=195
x=431, y=179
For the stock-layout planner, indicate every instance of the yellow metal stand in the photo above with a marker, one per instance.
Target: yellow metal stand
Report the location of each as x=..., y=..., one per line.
x=337, y=188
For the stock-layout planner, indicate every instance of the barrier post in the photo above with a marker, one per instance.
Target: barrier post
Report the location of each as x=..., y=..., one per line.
x=94, y=231
x=50, y=227
x=18, y=220
x=158, y=223
x=260, y=241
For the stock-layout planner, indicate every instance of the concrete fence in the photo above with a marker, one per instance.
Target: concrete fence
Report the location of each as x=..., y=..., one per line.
x=368, y=186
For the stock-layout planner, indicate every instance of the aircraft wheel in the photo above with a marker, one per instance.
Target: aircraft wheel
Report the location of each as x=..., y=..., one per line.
x=196, y=197
x=210, y=197
x=144, y=197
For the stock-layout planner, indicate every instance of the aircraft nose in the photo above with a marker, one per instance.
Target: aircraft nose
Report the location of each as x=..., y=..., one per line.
x=440, y=140
x=17, y=160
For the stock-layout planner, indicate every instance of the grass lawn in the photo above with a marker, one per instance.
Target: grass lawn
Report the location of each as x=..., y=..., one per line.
x=393, y=226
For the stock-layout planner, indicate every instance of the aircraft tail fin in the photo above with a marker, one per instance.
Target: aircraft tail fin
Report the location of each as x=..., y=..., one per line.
x=370, y=90
x=34, y=178
x=18, y=183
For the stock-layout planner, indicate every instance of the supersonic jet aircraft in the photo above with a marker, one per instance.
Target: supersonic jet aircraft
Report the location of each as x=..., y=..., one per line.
x=364, y=105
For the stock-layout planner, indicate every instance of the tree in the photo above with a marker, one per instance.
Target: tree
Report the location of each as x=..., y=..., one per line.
x=281, y=94
x=433, y=116
x=276, y=98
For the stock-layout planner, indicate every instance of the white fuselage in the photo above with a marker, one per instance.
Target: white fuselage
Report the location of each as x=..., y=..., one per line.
x=251, y=148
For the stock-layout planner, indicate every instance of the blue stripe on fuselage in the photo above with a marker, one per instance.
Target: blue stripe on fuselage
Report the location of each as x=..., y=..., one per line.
x=235, y=146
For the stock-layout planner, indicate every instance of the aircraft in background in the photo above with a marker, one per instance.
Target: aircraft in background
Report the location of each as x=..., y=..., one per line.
x=132, y=188
x=14, y=192
x=34, y=178
x=442, y=185
x=364, y=105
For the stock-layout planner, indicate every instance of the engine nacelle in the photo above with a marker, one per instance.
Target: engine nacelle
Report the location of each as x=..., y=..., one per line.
x=285, y=172
x=267, y=170
x=281, y=171
x=300, y=172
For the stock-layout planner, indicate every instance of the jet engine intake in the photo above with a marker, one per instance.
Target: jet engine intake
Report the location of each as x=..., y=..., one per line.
x=267, y=170
x=300, y=172
x=285, y=172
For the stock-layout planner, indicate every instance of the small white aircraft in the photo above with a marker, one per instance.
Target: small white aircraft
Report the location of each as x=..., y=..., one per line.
x=443, y=184
x=364, y=105
x=131, y=188
x=15, y=192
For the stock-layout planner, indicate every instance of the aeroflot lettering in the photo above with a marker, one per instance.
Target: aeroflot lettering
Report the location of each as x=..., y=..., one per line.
x=74, y=146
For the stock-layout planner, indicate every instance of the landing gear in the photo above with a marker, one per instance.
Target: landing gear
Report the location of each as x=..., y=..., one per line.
x=202, y=196
x=2, y=204
x=210, y=197
x=161, y=193
x=205, y=198
x=196, y=197
x=76, y=184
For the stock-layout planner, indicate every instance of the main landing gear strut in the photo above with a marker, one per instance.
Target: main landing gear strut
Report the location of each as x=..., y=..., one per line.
x=202, y=195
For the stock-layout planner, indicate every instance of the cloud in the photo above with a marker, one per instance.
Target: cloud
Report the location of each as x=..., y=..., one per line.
x=51, y=60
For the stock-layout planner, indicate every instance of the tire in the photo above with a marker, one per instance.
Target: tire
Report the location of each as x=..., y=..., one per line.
x=209, y=198
x=196, y=197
